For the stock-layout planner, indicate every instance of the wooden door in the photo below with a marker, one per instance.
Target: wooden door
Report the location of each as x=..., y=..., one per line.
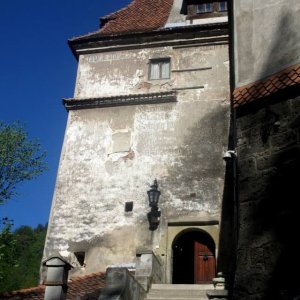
x=204, y=264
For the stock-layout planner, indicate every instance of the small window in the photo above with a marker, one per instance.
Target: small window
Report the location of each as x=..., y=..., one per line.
x=204, y=8
x=128, y=206
x=223, y=6
x=80, y=258
x=159, y=69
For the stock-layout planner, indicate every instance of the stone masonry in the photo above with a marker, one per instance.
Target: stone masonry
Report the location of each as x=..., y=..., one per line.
x=269, y=172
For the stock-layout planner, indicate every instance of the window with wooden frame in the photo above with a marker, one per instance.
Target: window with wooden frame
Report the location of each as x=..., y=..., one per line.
x=206, y=9
x=159, y=68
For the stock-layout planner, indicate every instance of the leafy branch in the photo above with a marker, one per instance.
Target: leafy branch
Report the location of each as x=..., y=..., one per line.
x=21, y=159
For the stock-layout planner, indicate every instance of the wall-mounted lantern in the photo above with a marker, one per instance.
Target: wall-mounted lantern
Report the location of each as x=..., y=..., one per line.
x=154, y=214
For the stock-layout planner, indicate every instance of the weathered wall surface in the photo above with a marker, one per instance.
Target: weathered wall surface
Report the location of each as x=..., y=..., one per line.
x=269, y=171
x=112, y=155
x=267, y=38
x=127, y=72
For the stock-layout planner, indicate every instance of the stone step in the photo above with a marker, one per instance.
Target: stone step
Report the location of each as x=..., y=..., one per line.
x=173, y=298
x=162, y=286
x=179, y=291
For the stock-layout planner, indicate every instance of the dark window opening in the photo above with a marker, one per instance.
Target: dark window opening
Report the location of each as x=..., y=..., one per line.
x=80, y=257
x=159, y=69
x=128, y=206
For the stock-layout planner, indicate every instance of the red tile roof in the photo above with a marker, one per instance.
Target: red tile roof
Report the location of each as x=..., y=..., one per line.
x=267, y=86
x=78, y=286
x=139, y=15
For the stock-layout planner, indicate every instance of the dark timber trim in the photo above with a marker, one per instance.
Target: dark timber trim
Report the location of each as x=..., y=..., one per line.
x=189, y=88
x=121, y=100
x=193, y=223
x=192, y=70
x=194, y=34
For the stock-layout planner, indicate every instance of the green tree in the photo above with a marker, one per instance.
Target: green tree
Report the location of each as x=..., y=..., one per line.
x=7, y=249
x=21, y=159
x=22, y=271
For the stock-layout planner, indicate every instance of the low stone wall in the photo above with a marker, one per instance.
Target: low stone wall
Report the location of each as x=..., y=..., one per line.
x=121, y=285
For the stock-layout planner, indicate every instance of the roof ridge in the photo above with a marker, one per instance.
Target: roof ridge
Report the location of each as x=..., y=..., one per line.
x=108, y=16
x=139, y=15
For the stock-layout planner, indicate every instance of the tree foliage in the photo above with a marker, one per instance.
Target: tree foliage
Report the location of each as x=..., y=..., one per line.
x=21, y=159
x=7, y=248
x=23, y=268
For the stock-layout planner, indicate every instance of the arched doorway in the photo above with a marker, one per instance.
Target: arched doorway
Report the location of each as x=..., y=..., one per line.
x=193, y=258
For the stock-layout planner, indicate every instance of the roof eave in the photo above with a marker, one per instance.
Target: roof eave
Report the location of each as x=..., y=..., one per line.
x=127, y=37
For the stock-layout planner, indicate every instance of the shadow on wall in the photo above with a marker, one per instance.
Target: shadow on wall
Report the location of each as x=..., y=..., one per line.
x=268, y=260
x=195, y=174
x=268, y=251
x=227, y=239
x=278, y=212
x=283, y=47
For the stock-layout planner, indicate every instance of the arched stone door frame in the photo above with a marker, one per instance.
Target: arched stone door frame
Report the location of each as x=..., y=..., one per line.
x=175, y=231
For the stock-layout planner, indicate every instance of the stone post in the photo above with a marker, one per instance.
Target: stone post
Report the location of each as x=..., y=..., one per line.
x=57, y=278
x=121, y=285
x=148, y=269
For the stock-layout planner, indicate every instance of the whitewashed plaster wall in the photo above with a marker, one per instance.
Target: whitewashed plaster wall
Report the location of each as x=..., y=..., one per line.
x=267, y=38
x=112, y=155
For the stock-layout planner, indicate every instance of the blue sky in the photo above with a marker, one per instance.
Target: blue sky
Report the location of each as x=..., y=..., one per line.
x=37, y=70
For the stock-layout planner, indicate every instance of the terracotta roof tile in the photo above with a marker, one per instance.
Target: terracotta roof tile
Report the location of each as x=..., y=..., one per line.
x=267, y=86
x=78, y=286
x=139, y=15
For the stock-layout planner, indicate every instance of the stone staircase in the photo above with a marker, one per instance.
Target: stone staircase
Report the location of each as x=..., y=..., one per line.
x=179, y=291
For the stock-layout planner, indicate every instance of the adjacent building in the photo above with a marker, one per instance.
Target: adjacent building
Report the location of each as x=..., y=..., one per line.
x=266, y=78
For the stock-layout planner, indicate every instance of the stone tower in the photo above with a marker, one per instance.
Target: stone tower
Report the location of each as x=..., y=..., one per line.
x=151, y=102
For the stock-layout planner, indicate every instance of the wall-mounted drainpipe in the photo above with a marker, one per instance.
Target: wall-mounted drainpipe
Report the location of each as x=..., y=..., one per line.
x=233, y=144
x=57, y=278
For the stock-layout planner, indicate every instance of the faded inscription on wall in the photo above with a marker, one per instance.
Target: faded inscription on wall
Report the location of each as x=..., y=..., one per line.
x=95, y=58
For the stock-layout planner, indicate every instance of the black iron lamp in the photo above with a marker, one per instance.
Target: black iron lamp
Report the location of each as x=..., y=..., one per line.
x=154, y=214
x=153, y=194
